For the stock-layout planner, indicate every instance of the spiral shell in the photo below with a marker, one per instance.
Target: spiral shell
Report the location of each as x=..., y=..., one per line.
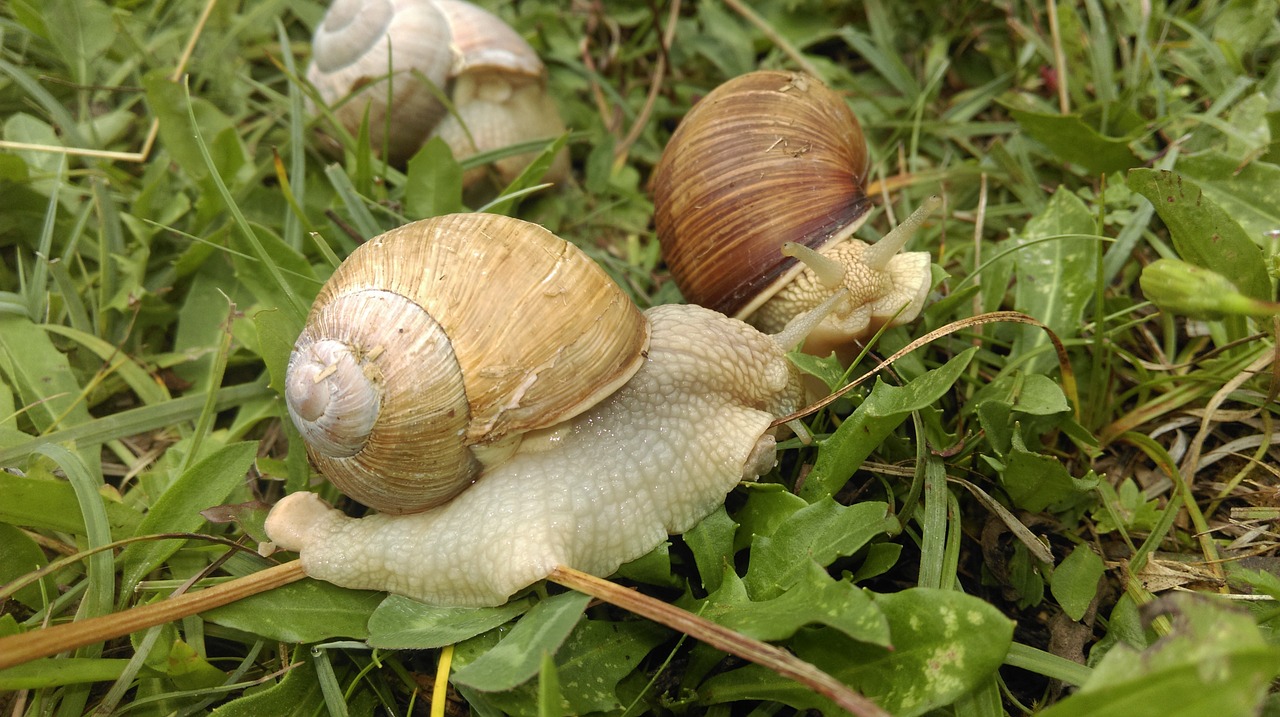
x=764, y=159
x=412, y=372
x=427, y=47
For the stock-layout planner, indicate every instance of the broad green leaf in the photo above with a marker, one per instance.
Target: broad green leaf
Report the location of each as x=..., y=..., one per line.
x=1013, y=397
x=404, y=624
x=305, y=611
x=1055, y=269
x=516, y=658
x=591, y=663
x=1215, y=661
x=1036, y=481
x=295, y=695
x=1072, y=139
x=202, y=321
x=711, y=541
x=768, y=506
x=42, y=376
x=1075, y=581
x=815, y=599
x=48, y=504
x=820, y=533
x=598, y=655
x=55, y=672
x=80, y=34
x=277, y=334
x=20, y=555
x=168, y=103
x=654, y=568
x=1202, y=232
x=433, y=183
x=203, y=485
x=260, y=279
x=883, y=410
x=1250, y=194
x=828, y=370
x=190, y=671
x=945, y=644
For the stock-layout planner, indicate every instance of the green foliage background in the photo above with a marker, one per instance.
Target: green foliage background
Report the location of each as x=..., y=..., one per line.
x=977, y=532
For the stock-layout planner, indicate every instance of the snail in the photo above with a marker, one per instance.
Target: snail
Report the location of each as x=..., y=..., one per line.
x=768, y=158
x=577, y=431
x=494, y=79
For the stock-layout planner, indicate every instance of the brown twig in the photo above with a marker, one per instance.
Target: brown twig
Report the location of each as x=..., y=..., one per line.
x=27, y=646
x=722, y=638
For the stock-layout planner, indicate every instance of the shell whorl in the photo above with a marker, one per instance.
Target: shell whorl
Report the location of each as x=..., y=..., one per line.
x=763, y=159
x=372, y=374
x=433, y=347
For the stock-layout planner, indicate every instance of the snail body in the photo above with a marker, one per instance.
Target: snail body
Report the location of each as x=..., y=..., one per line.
x=604, y=483
x=494, y=79
x=765, y=159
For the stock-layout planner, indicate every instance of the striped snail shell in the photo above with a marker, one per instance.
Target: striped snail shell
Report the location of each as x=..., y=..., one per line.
x=771, y=158
x=412, y=373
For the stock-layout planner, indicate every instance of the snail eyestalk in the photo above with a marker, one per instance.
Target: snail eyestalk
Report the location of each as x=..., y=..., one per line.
x=799, y=328
x=829, y=271
x=877, y=256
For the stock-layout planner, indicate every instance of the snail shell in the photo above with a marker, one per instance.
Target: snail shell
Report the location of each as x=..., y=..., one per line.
x=408, y=346
x=493, y=77
x=764, y=159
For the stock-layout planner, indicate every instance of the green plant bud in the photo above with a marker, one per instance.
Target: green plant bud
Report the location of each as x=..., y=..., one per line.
x=1181, y=288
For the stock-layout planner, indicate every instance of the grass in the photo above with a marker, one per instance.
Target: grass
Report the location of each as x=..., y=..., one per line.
x=1103, y=517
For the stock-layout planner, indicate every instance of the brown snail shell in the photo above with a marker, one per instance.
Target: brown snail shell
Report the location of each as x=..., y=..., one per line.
x=764, y=159
x=407, y=345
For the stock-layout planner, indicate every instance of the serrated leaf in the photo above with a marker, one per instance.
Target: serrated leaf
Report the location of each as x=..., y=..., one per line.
x=828, y=370
x=1215, y=661
x=945, y=644
x=404, y=624
x=305, y=611
x=883, y=410
x=815, y=599
x=768, y=506
x=1075, y=581
x=206, y=483
x=516, y=658
x=820, y=532
x=1203, y=234
x=1055, y=270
